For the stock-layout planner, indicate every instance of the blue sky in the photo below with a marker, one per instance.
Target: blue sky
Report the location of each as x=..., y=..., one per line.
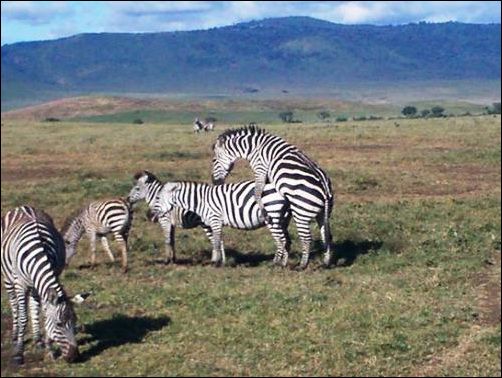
x=41, y=20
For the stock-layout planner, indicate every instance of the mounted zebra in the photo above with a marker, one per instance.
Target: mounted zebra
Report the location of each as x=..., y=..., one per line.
x=147, y=187
x=99, y=219
x=295, y=176
x=229, y=205
x=32, y=258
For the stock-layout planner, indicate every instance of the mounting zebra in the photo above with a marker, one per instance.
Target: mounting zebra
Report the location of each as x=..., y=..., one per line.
x=32, y=258
x=229, y=205
x=295, y=176
x=98, y=219
x=147, y=187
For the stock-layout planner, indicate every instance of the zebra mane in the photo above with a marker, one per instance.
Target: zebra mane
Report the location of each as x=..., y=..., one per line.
x=251, y=129
x=150, y=176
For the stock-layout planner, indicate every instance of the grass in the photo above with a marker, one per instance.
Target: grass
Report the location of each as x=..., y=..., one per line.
x=417, y=233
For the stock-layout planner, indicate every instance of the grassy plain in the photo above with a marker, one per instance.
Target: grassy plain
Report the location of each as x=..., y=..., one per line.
x=416, y=225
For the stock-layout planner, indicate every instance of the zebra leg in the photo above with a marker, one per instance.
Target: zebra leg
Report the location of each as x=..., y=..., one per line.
x=35, y=318
x=326, y=236
x=168, y=230
x=121, y=238
x=217, y=244
x=303, y=227
x=209, y=234
x=106, y=246
x=22, y=322
x=92, y=241
x=15, y=311
x=260, y=181
x=279, y=234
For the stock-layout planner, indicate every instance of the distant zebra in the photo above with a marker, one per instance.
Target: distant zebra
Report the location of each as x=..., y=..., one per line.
x=98, y=219
x=147, y=187
x=198, y=126
x=295, y=176
x=33, y=257
x=229, y=205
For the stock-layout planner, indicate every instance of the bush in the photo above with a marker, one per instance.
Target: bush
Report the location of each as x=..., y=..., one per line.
x=437, y=111
x=138, y=121
x=52, y=119
x=341, y=119
x=286, y=116
x=409, y=111
x=323, y=115
x=425, y=113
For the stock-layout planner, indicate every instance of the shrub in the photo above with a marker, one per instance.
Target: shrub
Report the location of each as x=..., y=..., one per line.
x=409, y=111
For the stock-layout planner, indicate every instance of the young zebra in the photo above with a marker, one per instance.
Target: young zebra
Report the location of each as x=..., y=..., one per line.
x=295, y=176
x=33, y=257
x=98, y=219
x=229, y=205
x=147, y=187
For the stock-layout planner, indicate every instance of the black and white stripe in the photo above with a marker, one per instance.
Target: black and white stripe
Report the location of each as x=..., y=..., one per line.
x=99, y=219
x=147, y=187
x=294, y=175
x=231, y=205
x=33, y=257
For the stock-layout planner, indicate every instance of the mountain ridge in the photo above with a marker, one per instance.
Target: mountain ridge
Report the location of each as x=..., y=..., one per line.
x=285, y=53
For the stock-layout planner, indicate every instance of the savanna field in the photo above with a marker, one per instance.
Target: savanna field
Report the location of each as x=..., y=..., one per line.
x=416, y=227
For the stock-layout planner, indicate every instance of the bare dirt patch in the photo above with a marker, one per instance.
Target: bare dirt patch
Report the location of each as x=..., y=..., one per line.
x=27, y=174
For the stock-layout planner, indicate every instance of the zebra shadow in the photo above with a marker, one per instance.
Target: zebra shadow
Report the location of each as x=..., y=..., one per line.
x=347, y=251
x=117, y=331
x=234, y=259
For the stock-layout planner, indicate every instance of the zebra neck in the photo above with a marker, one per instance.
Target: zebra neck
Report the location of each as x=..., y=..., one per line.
x=75, y=231
x=153, y=190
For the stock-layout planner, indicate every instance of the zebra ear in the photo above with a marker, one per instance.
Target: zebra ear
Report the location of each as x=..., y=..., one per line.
x=219, y=142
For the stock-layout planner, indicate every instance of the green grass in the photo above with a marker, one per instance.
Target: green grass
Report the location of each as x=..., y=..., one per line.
x=417, y=232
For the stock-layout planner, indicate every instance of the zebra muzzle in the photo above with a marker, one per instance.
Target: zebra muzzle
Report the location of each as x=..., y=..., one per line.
x=73, y=354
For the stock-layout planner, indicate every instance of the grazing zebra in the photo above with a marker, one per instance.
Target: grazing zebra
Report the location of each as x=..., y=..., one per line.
x=295, y=176
x=231, y=205
x=98, y=219
x=33, y=257
x=147, y=187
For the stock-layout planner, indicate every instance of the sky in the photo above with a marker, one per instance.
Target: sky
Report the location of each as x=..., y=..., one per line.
x=43, y=20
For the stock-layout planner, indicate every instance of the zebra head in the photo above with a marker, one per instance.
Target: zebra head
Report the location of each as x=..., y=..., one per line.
x=223, y=160
x=166, y=199
x=60, y=323
x=140, y=190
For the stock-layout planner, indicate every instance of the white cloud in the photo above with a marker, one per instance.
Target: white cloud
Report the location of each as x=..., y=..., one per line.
x=34, y=12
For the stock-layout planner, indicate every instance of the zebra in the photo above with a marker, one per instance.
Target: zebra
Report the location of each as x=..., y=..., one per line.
x=231, y=205
x=197, y=126
x=294, y=175
x=32, y=259
x=98, y=219
x=147, y=187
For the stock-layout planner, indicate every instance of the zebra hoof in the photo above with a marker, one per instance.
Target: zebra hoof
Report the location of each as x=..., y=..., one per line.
x=18, y=360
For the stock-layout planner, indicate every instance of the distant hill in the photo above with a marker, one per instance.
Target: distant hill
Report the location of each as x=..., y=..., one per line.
x=284, y=53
